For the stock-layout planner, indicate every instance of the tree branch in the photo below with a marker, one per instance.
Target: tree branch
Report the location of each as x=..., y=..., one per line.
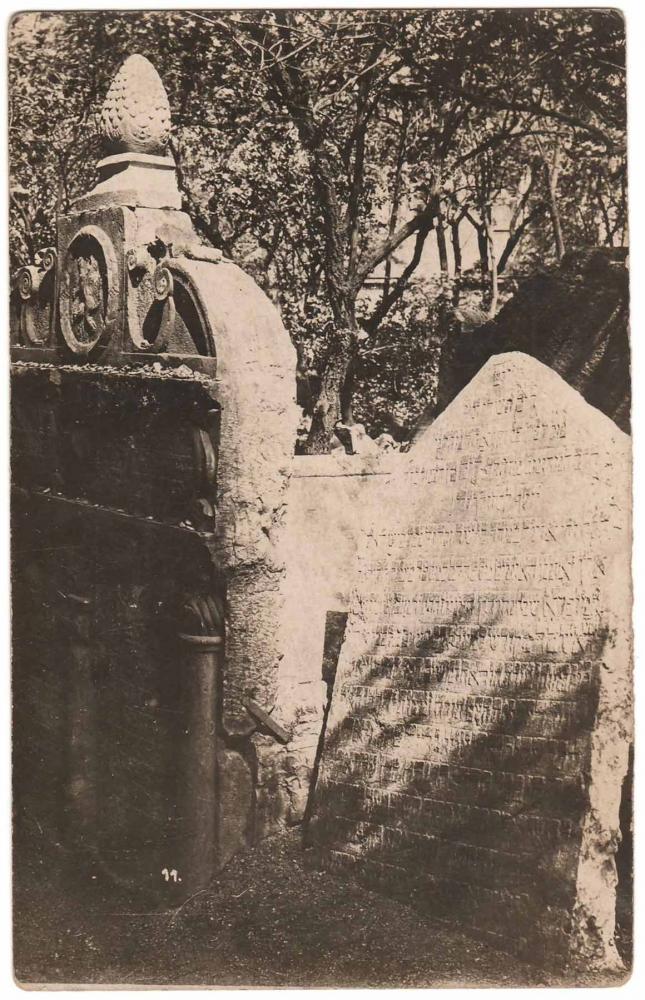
x=400, y=284
x=517, y=235
x=391, y=242
x=494, y=101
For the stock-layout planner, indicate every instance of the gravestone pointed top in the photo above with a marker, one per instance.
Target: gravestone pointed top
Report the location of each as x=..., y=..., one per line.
x=135, y=117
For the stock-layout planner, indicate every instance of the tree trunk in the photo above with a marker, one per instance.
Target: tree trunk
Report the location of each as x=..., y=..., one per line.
x=492, y=264
x=456, y=247
x=328, y=411
x=552, y=171
x=441, y=245
x=456, y=253
x=482, y=243
x=555, y=219
x=396, y=193
x=395, y=293
x=516, y=235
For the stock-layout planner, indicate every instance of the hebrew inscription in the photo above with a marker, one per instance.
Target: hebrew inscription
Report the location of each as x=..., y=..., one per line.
x=481, y=709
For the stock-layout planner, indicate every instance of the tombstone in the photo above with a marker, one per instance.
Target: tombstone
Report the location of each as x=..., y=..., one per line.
x=326, y=504
x=481, y=715
x=153, y=424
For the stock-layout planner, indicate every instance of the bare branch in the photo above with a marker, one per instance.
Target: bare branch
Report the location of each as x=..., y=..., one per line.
x=391, y=242
x=400, y=284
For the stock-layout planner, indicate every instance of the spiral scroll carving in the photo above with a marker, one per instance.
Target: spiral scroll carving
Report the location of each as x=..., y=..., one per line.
x=34, y=290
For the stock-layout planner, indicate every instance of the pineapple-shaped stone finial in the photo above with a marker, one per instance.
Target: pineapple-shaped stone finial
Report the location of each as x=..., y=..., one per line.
x=135, y=117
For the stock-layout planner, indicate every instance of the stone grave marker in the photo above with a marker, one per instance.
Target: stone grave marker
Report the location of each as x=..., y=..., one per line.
x=153, y=422
x=481, y=715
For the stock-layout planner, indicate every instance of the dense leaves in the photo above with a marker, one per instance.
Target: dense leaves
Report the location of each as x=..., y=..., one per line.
x=349, y=159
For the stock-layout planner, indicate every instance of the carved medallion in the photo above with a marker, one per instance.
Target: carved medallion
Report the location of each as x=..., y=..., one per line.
x=89, y=290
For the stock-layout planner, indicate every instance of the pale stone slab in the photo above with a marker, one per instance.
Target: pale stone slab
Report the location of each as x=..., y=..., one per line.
x=481, y=717
x=328, y=501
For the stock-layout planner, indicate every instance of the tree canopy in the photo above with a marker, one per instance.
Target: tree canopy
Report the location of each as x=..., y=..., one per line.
x=346, y=158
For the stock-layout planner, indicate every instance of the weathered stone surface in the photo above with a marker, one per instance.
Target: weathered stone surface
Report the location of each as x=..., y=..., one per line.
x=481, y=714
x=255, y=390
x=235, y=807
x=32, y=301
x=135, y=117
x=136, y=180
x=154, y=425
x=154, y=457
x=328, y=501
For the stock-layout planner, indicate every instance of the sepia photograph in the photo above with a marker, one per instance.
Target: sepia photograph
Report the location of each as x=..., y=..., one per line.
x=321, y=498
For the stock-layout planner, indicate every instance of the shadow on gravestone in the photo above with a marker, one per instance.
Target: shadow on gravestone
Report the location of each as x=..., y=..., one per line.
x=481, y=718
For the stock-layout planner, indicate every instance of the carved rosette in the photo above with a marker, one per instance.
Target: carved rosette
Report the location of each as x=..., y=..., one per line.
x=89, y=290
x=135, y=117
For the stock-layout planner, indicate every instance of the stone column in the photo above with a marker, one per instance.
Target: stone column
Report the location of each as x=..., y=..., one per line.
x=202, y=642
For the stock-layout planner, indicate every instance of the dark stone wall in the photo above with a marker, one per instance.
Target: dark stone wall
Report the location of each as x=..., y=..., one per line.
x=107, y=466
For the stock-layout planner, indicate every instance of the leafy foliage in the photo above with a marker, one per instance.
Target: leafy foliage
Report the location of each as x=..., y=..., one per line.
x=313, y=146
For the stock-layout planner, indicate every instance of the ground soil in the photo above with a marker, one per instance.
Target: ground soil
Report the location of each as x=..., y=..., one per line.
x=269, y=919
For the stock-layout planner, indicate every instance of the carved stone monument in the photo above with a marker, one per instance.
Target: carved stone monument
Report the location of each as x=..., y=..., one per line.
x=481, y=715
x=177, y=592
x=153, y=429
